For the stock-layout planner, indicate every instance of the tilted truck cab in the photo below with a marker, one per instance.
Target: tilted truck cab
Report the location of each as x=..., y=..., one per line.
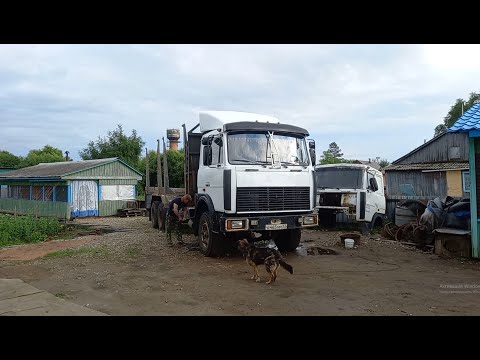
x=250, y=177
x=350, y=193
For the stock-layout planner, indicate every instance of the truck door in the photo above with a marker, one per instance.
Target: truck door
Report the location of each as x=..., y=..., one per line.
x=380, y=195
x=371, y=198
x=212, y=173
x=375, y=197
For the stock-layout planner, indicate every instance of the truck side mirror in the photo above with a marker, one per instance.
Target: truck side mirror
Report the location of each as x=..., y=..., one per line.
x=311, y=148
x=312, y=156
x=207, y=140
x=373, y=184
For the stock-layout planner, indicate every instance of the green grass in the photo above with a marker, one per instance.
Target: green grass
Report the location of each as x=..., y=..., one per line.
x=27, y=229
x=78, y=251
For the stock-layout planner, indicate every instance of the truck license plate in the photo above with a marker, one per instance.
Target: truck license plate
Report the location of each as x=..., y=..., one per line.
x=275, y=226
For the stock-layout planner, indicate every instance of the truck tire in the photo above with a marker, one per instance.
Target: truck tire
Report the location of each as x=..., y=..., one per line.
x=208, y=241
x=161, y=217
x=377, y=222
x=154, y=211
x=288, y=240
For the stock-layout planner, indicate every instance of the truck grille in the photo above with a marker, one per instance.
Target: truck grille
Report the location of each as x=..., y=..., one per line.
x=330, y=199
x=273, y=198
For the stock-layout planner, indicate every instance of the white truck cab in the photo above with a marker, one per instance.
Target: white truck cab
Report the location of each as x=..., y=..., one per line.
x=349, y=193
x=249, y=174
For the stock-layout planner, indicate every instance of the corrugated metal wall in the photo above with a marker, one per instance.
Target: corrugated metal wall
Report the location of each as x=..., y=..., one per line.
x=114, y=170
x=427, y=184
x=110, y=207
x=117, y=182
x=437, y=151
x=39, y=208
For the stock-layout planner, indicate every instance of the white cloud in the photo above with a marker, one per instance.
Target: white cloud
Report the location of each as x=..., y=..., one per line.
x=383, y=99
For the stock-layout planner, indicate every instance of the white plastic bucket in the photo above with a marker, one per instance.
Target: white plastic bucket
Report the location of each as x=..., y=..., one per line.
x=349, y=243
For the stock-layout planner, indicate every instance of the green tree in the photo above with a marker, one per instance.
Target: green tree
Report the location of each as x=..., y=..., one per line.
x=176, y=163
x=9, y=160
x=48, y=154
x=332, y=156
x=384, y=163
x=176, y=169
x=439, y=129
x=455, y=113
x=116, y=144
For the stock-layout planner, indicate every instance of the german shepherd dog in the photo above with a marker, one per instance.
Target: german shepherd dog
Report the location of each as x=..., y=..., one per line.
x=268, y=256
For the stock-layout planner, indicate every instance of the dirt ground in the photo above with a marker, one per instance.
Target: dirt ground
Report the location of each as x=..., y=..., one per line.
x=133, y=271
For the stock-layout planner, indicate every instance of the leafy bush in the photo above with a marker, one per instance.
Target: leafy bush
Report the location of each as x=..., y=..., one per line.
x=27, y=229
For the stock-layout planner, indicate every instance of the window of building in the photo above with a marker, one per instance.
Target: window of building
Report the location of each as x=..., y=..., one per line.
x=13, y=191
x=37, y=193
x=466, y=181
x=24, y=192
x=3, y=191
x=61, y=193
x=48, y=193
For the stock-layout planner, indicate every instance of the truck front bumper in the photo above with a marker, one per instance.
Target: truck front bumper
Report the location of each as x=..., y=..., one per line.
x=267, y=222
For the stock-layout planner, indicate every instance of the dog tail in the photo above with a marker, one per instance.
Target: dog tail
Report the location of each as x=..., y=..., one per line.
x=282, y=261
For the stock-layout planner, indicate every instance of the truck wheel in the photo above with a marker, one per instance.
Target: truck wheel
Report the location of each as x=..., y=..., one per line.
x=160, y=216
x=288, y=240
x=154, y=210
x=378, y=223
x=207, y=240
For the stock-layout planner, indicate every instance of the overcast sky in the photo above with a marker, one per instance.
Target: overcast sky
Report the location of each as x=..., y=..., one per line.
x=372, y=100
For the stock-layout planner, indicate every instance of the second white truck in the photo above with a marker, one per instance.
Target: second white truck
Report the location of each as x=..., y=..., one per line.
x=350, y=193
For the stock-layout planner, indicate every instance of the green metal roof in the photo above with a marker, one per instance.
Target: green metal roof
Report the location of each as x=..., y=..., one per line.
x=59, y=170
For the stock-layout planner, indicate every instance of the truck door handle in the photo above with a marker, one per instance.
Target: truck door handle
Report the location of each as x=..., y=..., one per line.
x=207, y=184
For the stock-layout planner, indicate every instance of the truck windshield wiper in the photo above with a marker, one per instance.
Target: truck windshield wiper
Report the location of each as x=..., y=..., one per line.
x=294, y=164
x=288, y=163
x=253, y=162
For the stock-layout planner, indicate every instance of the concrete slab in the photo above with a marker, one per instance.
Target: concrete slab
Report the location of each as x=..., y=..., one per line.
x=21, y=299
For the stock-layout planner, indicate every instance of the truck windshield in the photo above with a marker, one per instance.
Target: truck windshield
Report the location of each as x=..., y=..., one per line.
x=339, y=178
x=255, y=148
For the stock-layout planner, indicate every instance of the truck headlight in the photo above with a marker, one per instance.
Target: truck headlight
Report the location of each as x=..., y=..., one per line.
x=236, y=224
x=310, y=220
